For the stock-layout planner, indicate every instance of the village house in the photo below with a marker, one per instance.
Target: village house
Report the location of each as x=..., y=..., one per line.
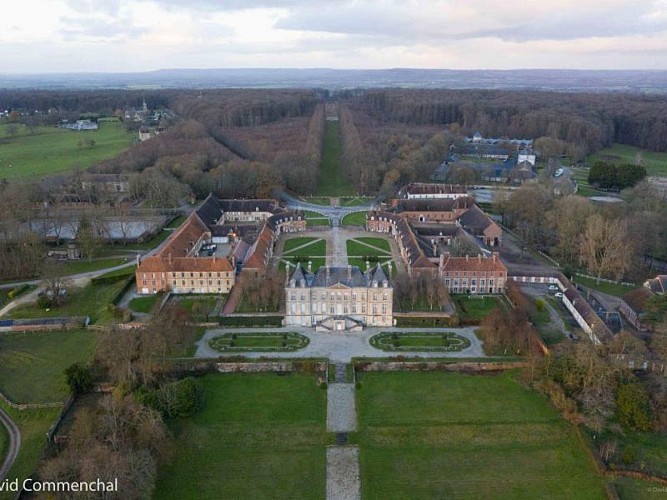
x=633, y=303
x=338, y=298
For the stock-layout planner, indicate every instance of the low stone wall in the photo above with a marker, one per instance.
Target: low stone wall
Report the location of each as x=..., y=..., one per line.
x=263, y=367
x=419, y=366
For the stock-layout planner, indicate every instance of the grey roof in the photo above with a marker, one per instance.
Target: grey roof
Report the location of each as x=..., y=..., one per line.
x=248, y=205
x=210, y=210
x=350, y=276
x=475, y=220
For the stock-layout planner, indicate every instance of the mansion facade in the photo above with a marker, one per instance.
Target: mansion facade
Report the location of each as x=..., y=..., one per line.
x=338, y=298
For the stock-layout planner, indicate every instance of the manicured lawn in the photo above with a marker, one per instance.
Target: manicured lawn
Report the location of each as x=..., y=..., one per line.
x=145, y=304
x=258, y=436
x=318, y=200
x=332, y=181
x=32, y=363
x=611, y=288
x=476, y=308
x=356, y=249
x=84, y=265
x=293, y=243
x=33, y=425
x=353, y=202
x=52, y=150
x=126, y=271
x=655, y=163
x=450, y=435
x=376, y=242
x=198, y=306
x=354, y=219
x=259, y=341
x=315, y=219
x=91, y=300
x=315, y=247
x=420, y=341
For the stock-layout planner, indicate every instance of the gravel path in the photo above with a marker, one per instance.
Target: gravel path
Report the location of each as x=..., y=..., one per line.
x=14, y=444
x=341, y=410
x=343, y=481
x=342, y=347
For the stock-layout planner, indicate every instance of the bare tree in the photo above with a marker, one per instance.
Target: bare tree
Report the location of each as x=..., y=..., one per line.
x=604, y=247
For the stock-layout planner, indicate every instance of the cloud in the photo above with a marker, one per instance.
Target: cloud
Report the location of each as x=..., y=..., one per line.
x=93, y=27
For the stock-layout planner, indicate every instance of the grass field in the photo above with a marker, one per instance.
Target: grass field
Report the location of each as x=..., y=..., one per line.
x=91, y=300
x=611, y=288
x=354, y=219
x=476, y=308
x=33, y=425
x=315, y=219
x=637, y=489
x=84, y=265
x=198, y=306
x=258, y=436
x=472, y=437
x=655, y=163
x=332, y=180
x=32, y=363
x=52, y=150
x=293, y=243
x=145, y=304
x=357, y=248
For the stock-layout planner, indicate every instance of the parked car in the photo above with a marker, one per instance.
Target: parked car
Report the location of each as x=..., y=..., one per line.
x=553, y=288
x=559, y=172
x=558, y=295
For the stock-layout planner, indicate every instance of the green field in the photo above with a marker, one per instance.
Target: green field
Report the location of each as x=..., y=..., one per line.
x=32, y=363
x=450, y=435
x=316, y=219
x=611, y=288
x=357, y=248
x=332, y=180
x=355, y=201
x=91, y=300
x=354, y=219
x=637, y=489
x=655, y=163
x=259, y=342
x=145, y=304
x=85, y=266
x=200, y=305
x=293, y=243
x=52, y=150
x=420, y=341
x=33, y=425
x=476, y=308
x=258, y=436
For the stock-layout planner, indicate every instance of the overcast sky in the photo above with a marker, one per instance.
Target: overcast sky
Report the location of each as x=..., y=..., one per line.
x=140, y=35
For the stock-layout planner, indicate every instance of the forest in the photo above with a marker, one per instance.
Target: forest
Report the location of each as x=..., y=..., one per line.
x=250, y=142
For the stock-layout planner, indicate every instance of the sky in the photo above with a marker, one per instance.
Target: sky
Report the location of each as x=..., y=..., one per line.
x=47, y=36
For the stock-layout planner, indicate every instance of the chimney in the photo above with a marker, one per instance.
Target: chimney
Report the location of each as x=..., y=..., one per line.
x=287, y=264
x=349, y=272
x=442, y=260
x=467, y=257
x=138, y=261
x=368, y=266
x=479, y=257
x=170, y=258
x=310, y=266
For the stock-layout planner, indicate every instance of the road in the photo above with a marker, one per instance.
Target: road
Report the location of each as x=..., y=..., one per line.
x=14, y=444
x=335, y=214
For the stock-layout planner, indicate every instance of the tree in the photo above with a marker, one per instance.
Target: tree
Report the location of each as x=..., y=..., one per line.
x=87, y=237
x=633, y=406
x=79, y=379
x=54, y=287
x=567, y=216
x=604, y=247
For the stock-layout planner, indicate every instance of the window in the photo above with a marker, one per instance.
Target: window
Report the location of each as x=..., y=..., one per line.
x=292, y=297
x=324, y=295
x=354, y=309
x=303, y=296
x=173, y=283
x=144, y=282
x=331, y=310
x=375, y=296
x=354, y=296
x=384, y=308
x=384, y=296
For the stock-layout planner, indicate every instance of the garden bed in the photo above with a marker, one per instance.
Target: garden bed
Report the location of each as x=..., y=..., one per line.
x=420, y=341
x=258, y=342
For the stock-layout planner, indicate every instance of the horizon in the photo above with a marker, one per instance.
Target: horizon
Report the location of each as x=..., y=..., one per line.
x=84, y=36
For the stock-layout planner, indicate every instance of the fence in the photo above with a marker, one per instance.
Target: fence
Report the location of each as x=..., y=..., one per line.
x=28, y=406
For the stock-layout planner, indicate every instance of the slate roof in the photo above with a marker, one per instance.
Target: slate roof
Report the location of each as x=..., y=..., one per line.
x=210, y=210
x=350, y=276
x=475, y=220
x=260, y=205
x=636, y=299
x=435, y=204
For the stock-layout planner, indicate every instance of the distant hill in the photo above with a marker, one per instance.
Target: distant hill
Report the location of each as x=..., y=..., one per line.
x=644, y=81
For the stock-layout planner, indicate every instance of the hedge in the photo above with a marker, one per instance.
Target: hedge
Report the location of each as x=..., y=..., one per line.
x=427, y=321
x=251, y=321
